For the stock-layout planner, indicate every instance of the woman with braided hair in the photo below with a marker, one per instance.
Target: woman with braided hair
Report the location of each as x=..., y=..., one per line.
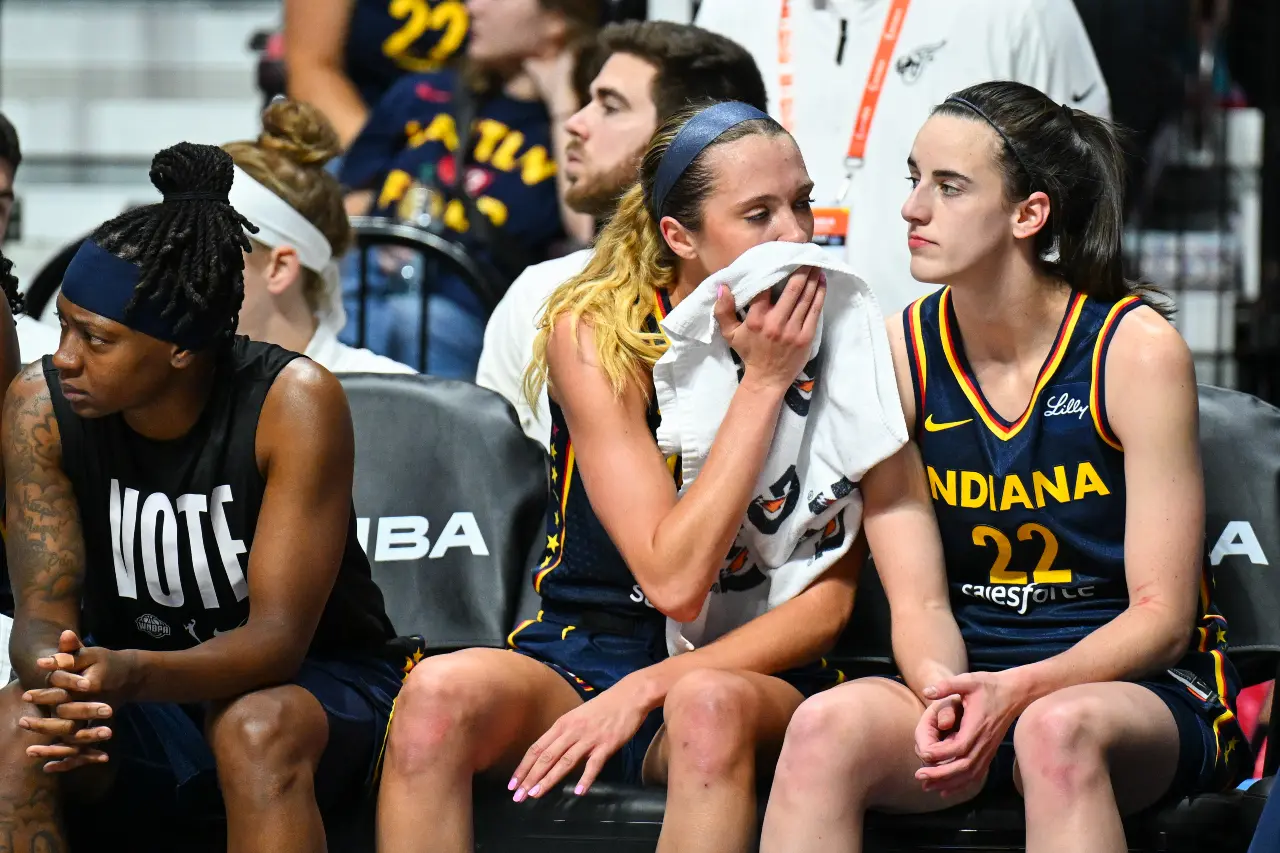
x=193, y=610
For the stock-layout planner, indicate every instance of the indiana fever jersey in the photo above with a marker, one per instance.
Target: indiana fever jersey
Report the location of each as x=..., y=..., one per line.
x=581, y=566
x=1031, y=512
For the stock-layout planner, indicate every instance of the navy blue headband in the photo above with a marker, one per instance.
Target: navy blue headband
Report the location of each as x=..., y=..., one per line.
x=98, y=281
x=692, y=139
x=1008, y=142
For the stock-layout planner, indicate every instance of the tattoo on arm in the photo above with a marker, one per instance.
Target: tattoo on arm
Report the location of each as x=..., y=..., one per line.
x=43, y=539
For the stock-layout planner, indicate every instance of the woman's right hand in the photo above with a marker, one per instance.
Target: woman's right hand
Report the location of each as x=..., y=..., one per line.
x=774, y=339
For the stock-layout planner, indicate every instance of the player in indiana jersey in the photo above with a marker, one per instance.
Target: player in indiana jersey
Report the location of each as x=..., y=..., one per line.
x=143, y=460
x=1070, y=649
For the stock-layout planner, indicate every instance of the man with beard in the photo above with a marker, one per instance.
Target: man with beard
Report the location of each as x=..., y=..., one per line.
x=649, y=70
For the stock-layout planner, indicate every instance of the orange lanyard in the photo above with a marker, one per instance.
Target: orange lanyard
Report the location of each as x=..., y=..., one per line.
x=870, y=95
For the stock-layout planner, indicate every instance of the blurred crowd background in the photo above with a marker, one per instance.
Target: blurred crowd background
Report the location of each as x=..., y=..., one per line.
x=96, y=87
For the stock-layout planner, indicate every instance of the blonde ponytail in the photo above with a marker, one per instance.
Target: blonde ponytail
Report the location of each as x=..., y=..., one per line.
x=615, y=295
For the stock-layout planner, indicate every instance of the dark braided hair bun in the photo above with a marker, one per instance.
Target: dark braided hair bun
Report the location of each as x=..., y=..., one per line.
x=188, y=169
x=299, y=132
x=189, y=247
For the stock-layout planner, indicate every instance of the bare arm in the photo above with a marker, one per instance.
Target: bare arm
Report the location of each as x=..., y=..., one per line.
x=1153, y=410
x=903, y=533
x=306, y=447
x=315, y=37
x=675, y=549
x=43, y=541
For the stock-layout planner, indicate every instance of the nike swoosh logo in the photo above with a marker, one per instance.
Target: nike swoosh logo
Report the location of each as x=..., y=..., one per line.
x=1086, y=93
x=930, y=426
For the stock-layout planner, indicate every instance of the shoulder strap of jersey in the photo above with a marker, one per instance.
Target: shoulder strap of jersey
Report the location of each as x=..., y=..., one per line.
x=70, y=425
x=1097, y=385
x=917, y=358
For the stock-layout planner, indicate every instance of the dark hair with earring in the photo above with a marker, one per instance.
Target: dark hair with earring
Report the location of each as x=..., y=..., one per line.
x=1077, y=160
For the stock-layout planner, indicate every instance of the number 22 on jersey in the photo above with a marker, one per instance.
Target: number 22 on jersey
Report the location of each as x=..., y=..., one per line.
x=449, y=17
x=1043, y=573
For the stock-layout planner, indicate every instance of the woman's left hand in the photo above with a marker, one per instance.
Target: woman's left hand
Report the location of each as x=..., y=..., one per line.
x=988, y=708
x=592, y=732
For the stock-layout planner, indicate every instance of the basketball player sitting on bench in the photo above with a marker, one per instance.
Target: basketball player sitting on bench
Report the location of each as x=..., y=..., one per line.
x=163, y=474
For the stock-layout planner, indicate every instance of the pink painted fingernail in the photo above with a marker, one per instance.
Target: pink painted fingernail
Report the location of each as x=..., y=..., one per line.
x=520, y=795
x=104, y=712
x=579, y=790
x=535, y=790
x=822, y=279
x=511, y=786
x=719, y=290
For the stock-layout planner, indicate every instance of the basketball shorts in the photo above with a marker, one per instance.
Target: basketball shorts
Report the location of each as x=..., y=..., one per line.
x=1213, y=753
x=593, y=659
x=165, y=769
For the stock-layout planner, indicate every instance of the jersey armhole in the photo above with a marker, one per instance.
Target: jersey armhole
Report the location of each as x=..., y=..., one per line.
x=916, y=358
x=1097, y=385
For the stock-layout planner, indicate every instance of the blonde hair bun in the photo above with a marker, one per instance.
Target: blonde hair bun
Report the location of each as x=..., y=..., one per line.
x=299, y=132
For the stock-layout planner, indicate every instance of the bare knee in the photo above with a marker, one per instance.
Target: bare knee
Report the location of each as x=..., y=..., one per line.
x=433, y=715
x=832, y=739
x=268, y=740
x=1061, y=742
x=711, y=718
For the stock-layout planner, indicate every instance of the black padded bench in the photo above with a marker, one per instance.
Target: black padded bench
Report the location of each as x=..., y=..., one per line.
x=441, y=461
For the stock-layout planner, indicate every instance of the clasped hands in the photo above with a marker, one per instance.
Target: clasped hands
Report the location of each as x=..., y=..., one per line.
x=81, y=686
x=961, y=729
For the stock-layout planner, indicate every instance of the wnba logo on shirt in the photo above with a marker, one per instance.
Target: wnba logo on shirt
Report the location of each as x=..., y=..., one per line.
x=153, y=531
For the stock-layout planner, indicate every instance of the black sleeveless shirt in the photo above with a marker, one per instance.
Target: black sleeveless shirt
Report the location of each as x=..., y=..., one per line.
x=168, y=525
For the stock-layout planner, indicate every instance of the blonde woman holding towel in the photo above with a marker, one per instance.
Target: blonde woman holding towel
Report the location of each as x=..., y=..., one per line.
x=590, y=685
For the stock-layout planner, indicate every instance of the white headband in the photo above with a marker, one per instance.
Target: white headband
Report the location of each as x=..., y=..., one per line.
x=279, y=224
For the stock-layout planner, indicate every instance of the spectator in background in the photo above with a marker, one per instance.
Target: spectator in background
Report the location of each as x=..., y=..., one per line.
x=292, y=296
x=649, y=70
x=817, y=58
x=506, y=205
x=34, y=338
x=343, y=55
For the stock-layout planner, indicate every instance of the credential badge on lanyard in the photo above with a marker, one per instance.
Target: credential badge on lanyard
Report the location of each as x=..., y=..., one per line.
x=831, y=224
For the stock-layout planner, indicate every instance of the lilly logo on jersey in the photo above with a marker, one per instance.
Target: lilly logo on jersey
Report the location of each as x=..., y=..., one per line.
x=1065, y=404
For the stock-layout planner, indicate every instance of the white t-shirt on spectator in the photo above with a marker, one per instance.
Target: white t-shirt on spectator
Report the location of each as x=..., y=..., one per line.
x=944, y=46
x=508, y=338
x=330, y=353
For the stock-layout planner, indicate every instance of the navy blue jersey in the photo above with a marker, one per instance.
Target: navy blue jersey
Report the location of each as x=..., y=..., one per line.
x=387, y=39
x=1032, y=513
x=581, y=566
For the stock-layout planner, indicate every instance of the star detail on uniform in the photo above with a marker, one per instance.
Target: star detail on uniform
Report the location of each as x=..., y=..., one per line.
x=411, y=662
x=553, y=542
x=553, y=451
x=1231, y=745
x=556, y=517
x=545, y=562
x=554, y=475
x=1222, y=635
x=555, y=430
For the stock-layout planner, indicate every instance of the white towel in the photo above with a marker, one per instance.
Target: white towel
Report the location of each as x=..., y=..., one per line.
x=840, y=419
